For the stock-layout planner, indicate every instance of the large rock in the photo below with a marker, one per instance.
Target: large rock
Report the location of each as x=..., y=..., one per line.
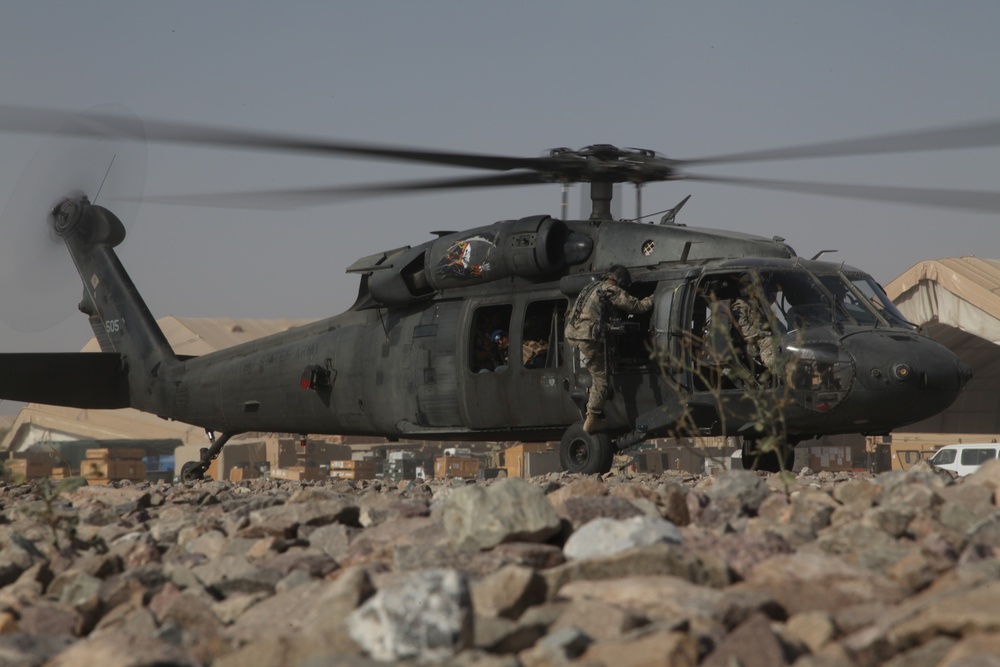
x=511, y=510
x=810, y=582
x=828, y=568
x=604, y=537
x=741, y=490
x=427, y=616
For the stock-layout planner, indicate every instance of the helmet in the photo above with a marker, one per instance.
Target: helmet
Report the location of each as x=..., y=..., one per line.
x=498, y=335
x=619, y=274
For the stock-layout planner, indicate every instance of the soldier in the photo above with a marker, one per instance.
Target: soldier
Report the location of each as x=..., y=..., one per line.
x=585, y=332
x=750, y=312
x=500, y=351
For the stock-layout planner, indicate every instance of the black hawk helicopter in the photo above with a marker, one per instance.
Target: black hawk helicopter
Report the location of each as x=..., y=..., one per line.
x=410, y=358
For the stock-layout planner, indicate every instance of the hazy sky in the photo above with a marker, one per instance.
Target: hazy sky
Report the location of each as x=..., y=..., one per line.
x=688, y=79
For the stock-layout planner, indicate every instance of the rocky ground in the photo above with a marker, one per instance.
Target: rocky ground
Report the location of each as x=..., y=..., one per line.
x=825, y=569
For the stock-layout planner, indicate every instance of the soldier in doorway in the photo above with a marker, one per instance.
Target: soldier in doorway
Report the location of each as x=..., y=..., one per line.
x=585, y=332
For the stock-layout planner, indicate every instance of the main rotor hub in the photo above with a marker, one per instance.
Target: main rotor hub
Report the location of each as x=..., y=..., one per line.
x=604, y=163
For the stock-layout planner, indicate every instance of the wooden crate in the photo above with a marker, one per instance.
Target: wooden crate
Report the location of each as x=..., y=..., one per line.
x=298, y=473
x=456, y=466
x=352, y=465
x=238, y=474
x=98, y=471
x=28, y=468
x=353, y=473
x=117, y=453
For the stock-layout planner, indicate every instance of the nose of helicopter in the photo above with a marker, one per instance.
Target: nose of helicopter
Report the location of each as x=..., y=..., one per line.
x=901, y=377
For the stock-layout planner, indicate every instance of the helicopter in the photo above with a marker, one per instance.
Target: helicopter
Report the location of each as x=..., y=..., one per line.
x=411, y=358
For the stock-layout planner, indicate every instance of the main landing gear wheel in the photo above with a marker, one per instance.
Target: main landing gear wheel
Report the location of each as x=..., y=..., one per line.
x=766, y=461
x=585, y=453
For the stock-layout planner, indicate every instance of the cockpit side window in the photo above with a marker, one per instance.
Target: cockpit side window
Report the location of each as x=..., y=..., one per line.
x=736, y=320
x=740, y=318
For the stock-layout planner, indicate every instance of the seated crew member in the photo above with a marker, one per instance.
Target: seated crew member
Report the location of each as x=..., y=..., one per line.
x=585, y=332
x=500, y=349
x=534, y=353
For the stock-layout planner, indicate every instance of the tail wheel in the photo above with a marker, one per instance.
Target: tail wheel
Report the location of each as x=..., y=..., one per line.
x=585, y=453
x=192, y=471
x=753, y=459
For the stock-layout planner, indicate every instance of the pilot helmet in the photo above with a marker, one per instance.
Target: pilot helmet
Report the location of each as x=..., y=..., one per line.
x=747, y=286
x=498, y=335
x=619, y=274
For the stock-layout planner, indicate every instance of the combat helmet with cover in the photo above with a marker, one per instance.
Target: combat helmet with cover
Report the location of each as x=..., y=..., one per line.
x=619, y=274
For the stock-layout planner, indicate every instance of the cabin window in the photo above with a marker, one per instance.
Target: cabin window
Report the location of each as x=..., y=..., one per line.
x=489, y=342
x=543, y=334
x=974, y=457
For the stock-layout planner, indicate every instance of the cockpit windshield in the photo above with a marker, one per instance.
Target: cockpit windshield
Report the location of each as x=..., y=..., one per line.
x=783, y=300
x=797, y=301
x=798, y=298
x=879, y=300
x=863, y=300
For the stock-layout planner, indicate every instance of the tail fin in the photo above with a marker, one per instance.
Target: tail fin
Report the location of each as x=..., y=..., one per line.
x=118, y=315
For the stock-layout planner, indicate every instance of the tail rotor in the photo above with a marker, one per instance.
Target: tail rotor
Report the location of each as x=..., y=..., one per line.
x=80, y=158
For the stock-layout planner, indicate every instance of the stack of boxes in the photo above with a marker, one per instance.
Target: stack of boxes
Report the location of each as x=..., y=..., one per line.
x=28, y=465
x=405, y=465
x=242, y=472
x=292, y=460
x=464, y=467
x=353, y=469
x=530, y=459
x=106, y=465
x=303, y=473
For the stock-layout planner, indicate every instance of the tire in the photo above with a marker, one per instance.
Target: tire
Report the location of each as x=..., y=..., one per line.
x=768, y=461
x=585, y=453
x=192, y=471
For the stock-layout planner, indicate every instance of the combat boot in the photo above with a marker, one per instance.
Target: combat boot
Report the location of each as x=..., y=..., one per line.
x=595, y=422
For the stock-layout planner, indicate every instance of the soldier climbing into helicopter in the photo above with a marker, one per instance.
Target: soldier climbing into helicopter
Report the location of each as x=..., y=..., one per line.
x=585, y=331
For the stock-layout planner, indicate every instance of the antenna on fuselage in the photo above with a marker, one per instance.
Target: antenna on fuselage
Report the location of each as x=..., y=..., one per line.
x=670, y=216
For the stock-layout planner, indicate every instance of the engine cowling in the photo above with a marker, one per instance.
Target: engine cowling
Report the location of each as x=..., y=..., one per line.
x=533, y=247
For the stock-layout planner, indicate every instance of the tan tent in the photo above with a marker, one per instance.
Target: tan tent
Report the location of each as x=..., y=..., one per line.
x=957, y=301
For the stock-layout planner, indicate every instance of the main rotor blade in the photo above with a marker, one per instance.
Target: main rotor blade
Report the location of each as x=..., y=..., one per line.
x=975, y=135
x=34, y=120
x=292, y=198
x=980, y=201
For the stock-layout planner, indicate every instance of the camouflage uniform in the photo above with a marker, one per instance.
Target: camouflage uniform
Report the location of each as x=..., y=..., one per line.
x=754, y=328
x=584, y=332
x=532, y=352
